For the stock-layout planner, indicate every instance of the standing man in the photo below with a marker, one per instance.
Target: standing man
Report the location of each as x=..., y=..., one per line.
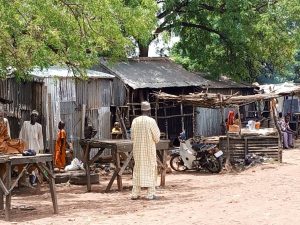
x=144, y=134
x=31, y=133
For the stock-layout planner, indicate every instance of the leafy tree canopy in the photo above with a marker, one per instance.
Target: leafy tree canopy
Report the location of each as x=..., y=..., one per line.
x=237, y=38
x=41, y=33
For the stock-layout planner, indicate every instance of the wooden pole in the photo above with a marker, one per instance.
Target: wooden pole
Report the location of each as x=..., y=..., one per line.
x=50, y=119
x=273, y=117
x=240, y=122
x=83, y=120
x=123, y=127
x=156, y=109
x=166, y=124
x=182, y=117
x=193, y=120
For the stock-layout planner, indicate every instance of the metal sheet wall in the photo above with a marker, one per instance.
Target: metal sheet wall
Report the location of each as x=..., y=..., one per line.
x=67, y=98
x=208, y=121
x=26, y=96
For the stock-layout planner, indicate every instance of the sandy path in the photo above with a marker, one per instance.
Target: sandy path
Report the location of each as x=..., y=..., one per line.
x=267, y=194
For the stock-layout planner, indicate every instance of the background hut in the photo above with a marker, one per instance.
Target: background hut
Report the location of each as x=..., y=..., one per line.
x=25, y=97
x=58, y=95
x=138, y=78
x=71, y=99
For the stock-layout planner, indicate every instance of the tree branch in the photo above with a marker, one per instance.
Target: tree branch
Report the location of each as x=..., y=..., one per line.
x=203, y=27
x=265, y=4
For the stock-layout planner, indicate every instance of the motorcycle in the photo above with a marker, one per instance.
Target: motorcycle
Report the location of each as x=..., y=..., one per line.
x=194, y=155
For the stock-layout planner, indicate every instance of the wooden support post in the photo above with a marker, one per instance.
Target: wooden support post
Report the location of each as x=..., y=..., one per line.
x=240, y=122
x=87, y=167
x=166, y=124
x=118, y=167
x=123, y=127
x=193, y=121
x=156, y=109
x=182, y=117
x=246, y=147
x=8, y=197
x=83, y=120
x=273, y=117
x=50, y=121
x=52, y=187
x=112, y=180
x=163, y=169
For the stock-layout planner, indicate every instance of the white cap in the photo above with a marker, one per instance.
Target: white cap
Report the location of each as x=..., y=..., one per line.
x=145, y=106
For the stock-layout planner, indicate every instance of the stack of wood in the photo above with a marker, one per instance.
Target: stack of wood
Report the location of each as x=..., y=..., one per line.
x=213, y=100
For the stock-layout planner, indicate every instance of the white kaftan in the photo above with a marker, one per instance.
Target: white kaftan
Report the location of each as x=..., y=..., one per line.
x=144, y=134
x=33, y=136
x=7, y=125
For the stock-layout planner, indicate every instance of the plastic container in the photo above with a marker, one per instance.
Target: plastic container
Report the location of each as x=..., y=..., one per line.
x=251, y=124
x=257, y=125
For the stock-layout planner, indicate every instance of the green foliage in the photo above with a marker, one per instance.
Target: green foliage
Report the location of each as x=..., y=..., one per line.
x=41, y=33
x=237, y=38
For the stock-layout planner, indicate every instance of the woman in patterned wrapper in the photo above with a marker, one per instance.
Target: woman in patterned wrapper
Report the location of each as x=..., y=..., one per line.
x=60, y=147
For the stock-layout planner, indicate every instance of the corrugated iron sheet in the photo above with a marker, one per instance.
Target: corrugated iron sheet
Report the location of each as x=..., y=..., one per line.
x=161, y=73
x=67, y=98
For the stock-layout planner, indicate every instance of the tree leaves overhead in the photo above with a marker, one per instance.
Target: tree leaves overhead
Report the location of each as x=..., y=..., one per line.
x=40, y=33
x=233, y=37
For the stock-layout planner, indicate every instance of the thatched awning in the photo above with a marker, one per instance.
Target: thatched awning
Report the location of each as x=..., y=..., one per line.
x=212, y=100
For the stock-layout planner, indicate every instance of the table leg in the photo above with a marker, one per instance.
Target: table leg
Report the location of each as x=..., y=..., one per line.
x=117, y=170
x=164, y=168
x=118, y=167
x=87, y=168
x=2, y=175
x=1, y=201
x=52, y=188
x=8, y=197
x=112, y=180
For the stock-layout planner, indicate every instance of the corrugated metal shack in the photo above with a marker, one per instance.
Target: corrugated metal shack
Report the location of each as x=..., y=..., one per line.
x=70, y=99
x=26, y=96
x=137, y=78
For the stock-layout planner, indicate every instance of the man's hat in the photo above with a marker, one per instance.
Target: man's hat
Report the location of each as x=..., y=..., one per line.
x=145, y=106
x=34, y=112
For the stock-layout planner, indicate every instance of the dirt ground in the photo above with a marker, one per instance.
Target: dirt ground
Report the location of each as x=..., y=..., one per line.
x=265, y=194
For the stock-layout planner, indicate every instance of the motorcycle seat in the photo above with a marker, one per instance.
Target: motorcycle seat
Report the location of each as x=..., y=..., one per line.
x=201, y=146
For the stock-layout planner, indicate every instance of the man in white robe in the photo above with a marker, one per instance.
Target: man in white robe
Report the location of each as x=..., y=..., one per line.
x=144, y=134
x=31, y=133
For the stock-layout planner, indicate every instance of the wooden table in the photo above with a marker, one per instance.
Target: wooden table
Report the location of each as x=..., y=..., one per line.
x=41, y=161
x=118, y=146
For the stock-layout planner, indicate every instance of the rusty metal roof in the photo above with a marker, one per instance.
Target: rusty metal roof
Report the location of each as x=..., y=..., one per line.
x=155, y=73
x=158, y=72
x=63, y=72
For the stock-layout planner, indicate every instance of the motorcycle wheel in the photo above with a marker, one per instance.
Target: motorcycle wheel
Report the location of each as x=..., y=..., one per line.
x=177, y=164
x=214, y=164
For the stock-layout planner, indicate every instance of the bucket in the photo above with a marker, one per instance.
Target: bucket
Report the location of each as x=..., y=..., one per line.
x=257, y=125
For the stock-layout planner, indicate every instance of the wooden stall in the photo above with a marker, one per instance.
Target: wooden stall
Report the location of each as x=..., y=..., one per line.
x=239, y=144
x=44, y=164
x=117, y=147
x=256, y=142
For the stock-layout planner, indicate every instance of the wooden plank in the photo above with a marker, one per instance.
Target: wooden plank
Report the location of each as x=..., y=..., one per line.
x=126, y=163
x=83, y=120
x=164, y=169
x=50, y=121
x=52, y=187
x=19, y=176
x=112, y=180
x=8, y=197
x=118, y=167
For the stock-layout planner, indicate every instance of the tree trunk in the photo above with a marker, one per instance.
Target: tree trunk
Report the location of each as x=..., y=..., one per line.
x=143, y=50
